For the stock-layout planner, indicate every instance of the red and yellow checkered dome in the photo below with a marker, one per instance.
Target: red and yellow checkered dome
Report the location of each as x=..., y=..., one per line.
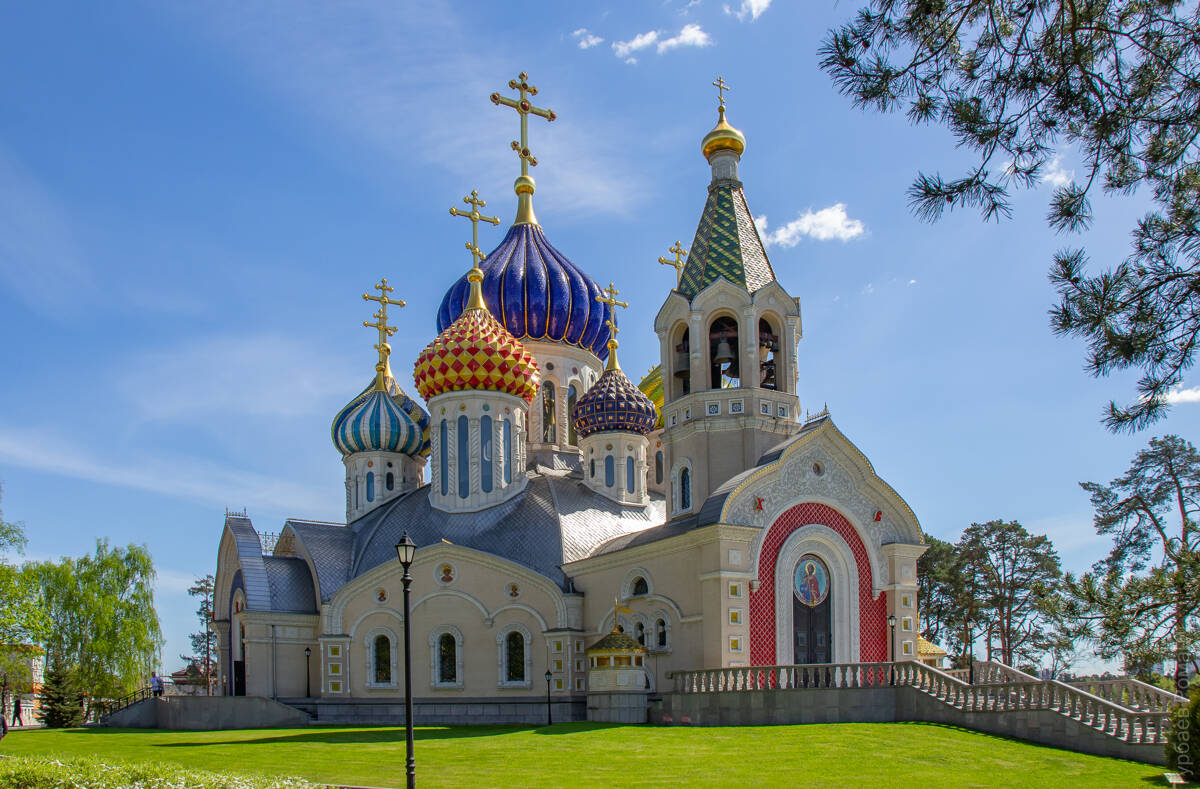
x=476, y=352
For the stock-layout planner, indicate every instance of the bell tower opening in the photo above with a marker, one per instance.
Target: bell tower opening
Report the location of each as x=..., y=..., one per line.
x=723, y=353
x=683, y=365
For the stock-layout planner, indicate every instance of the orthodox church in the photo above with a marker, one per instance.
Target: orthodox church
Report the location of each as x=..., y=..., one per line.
x=540, y=485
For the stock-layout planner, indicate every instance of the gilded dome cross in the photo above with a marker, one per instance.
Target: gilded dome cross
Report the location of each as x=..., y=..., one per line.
x=524, y=108
x=679, y=263
x=609, y=296
x=382, y=369
x=475, y=217
x=721, y=88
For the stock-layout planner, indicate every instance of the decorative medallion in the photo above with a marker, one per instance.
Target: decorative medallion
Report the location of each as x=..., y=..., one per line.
x=513, y=591
x=811, y=581
x=446, y=574
x=381, y=595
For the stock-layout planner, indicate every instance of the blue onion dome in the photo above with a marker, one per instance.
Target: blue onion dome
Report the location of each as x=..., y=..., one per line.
x=614, y=403
x=536, y=293
x=408, y=405
x=376, y=423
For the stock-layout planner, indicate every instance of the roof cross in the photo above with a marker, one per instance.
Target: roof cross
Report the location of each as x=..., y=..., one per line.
x=679, y=263
x=609, y=296
x=475, y=217
x=721, y=88
x=382, y=369
x=524, y=108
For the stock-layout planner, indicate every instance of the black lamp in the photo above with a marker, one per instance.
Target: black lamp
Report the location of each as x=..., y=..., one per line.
x=406, y=549
x=892, y=625
x=549, y=720
x=307, y=673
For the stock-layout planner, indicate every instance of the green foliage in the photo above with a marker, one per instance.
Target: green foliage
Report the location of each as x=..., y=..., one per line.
x=61, y=697
x=203, y=659
x=1015, y=82
x=935, y=576
x=101, y=607
x=90, y=773
x=1142, y=601
x=930, y=756
x=1183, y=740
x=23, y=620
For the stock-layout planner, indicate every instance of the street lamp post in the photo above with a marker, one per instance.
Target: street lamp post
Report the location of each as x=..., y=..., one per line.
x=405, y=550
x=307, y=673
x=892, y=625
x=549, y=719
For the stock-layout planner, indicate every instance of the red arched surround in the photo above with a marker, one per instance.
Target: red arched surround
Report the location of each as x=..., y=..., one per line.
x=872, y=612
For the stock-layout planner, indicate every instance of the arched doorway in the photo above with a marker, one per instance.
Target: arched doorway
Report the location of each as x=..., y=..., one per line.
x=812, y=612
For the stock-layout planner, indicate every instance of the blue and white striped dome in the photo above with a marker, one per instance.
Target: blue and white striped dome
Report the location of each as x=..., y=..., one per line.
x=376, y=423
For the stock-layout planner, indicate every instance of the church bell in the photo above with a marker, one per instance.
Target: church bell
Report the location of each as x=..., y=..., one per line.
x=724, y=354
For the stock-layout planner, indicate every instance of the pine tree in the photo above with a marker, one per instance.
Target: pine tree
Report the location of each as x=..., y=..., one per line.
x=61, y=698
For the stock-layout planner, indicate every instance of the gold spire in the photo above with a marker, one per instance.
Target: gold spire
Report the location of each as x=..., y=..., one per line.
x=679, y=263
x=475, y=275
x=723, y=137
x=383, y=369
x=524, y=186
x=609, y=297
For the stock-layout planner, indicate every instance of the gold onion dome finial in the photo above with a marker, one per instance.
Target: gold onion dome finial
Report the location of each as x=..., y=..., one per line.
x=476, y=352
x=723, y=137
x=609, y=297
x=383, y=369
x=524, y=185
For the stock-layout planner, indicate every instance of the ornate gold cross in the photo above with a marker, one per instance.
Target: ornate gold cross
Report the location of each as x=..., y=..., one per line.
x=679, y=263
x=381, y=325
x=721, y=88
x=475, y=217
x=524, y=108
x=609, y=297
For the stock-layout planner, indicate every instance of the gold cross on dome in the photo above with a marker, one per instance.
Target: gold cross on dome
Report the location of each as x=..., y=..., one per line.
x=721, y=88
x=679, y=263
x=475, y=217
x=524, y=108
x=609, y=297
x=381, y=325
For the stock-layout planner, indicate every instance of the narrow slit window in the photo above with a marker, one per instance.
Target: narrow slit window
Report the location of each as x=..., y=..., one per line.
x=485, y=453
x=464, y=465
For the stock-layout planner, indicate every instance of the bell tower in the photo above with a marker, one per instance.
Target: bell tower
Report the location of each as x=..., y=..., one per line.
x=728, y=334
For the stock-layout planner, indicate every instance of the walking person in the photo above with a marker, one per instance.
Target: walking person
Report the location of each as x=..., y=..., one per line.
x=156, y=684
x=17, y=711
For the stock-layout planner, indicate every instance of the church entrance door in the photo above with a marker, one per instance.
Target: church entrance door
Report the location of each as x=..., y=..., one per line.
x=239, y=678
x=812, y=612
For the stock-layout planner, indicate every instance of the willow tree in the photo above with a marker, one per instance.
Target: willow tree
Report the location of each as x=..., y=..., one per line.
x=1017, y=83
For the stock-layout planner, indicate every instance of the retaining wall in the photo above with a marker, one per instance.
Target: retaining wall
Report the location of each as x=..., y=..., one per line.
x=444, y=712
x=206, y=713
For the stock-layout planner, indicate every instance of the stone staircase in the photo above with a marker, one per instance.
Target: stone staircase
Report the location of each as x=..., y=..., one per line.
x=1123, y=718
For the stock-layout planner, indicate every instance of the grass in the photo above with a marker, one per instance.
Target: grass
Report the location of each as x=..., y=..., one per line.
x=581, y=754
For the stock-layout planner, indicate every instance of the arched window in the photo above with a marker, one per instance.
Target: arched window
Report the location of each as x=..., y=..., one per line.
x=572, y=397
x=685, y=489
x=640, y=587
x=391, y=481
x=610, y=471
x=639, y=633
x=485, y=453
x=507, y=451
x=383, y=660
x=768, y=355
x=514, y=656
x=356, y=494
x=724, y=353
x=447, y=665
x=549, y=417
x=660, y=633
x=370, y=486
x=658, y=467
x=464, y=464
x=629, y=474
x=592, y=468
x=683, y=365
x=445, y=453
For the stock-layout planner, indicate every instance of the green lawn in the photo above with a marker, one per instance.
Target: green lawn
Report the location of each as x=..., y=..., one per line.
x=580, y=754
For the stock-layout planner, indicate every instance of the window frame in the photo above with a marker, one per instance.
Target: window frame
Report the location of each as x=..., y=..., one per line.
x=502, y=656
x=435, y=663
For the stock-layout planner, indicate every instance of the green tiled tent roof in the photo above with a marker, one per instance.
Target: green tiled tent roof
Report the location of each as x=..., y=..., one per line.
x=727, y=244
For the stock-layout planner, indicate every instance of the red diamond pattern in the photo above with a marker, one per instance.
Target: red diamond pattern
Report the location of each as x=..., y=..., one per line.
x=873, y=612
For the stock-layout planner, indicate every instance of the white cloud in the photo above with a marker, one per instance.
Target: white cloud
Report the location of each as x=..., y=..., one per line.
x=869, y=289
x=749, y=8
x=190, y=478
x=235, y=375
x=690, y=36
x=586, y=40
x=1181, y=395
x=624, y=49
x=824, y=225
x=912, y=282
x=38, y=255
x=1056, y=175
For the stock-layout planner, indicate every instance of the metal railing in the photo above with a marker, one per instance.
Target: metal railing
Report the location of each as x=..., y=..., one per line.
x=1135, y=726
x=105, y=707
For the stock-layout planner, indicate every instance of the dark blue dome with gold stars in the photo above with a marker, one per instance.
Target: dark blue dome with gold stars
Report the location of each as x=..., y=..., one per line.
x=614, y=403
x=536, y=292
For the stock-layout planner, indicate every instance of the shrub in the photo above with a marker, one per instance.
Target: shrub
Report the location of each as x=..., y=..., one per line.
x=61, y=698
x=21, y=772
x=1183, y=739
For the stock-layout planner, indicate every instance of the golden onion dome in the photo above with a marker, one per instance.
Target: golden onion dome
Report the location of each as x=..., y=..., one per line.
x=723, y=137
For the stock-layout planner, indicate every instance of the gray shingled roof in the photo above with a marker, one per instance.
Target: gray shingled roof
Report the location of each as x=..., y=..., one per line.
x=291, y=584
x=254, y=574
x=330, y=546
x=555, y=520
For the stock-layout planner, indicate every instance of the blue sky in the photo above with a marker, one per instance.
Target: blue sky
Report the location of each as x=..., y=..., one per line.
x=193, y=196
